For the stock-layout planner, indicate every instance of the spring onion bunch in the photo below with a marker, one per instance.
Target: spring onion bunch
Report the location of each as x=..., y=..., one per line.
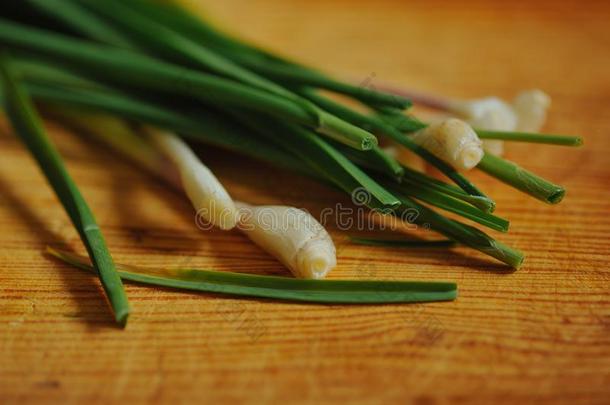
x=98, y=66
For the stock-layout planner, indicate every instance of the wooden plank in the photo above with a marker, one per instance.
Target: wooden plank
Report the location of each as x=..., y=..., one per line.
x=538, y=335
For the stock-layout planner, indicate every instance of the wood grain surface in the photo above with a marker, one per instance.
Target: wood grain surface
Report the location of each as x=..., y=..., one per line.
x=539, y=335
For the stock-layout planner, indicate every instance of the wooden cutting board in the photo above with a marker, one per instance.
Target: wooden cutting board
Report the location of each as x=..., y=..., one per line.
x=538, y=335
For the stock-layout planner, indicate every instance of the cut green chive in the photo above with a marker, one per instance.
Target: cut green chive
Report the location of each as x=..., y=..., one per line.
x=521, y=179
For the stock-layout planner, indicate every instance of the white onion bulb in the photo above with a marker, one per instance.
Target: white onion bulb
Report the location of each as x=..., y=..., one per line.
x=292, y=236
x=453, y=141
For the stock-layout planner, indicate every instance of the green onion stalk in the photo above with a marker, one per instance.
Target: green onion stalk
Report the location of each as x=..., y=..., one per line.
x=28, y=127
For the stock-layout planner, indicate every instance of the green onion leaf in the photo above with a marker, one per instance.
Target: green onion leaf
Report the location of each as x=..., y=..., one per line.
x=403, y=243
x=29, y=128
x=548, y=139
x=80, y=19
x=282, y=288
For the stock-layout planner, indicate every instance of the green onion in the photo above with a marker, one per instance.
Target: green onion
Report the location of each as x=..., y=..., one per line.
x=516, y=176
x=531, y=137
x=268, y=123
x=402, y=243
x=282, y=288
x=29, y=128
x=313, y=150
x=235, y=138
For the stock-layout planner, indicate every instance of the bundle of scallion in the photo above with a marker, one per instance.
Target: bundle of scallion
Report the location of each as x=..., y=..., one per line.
x=80, y=58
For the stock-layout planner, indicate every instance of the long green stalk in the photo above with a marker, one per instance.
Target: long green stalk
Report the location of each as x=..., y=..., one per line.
x=137, y=70
x=548, y=139
x=39, y=71
x=29, y=128
x=282, y=288
x=369, y=122
x=80, y=19
x=521, y=179
x=403, y=243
